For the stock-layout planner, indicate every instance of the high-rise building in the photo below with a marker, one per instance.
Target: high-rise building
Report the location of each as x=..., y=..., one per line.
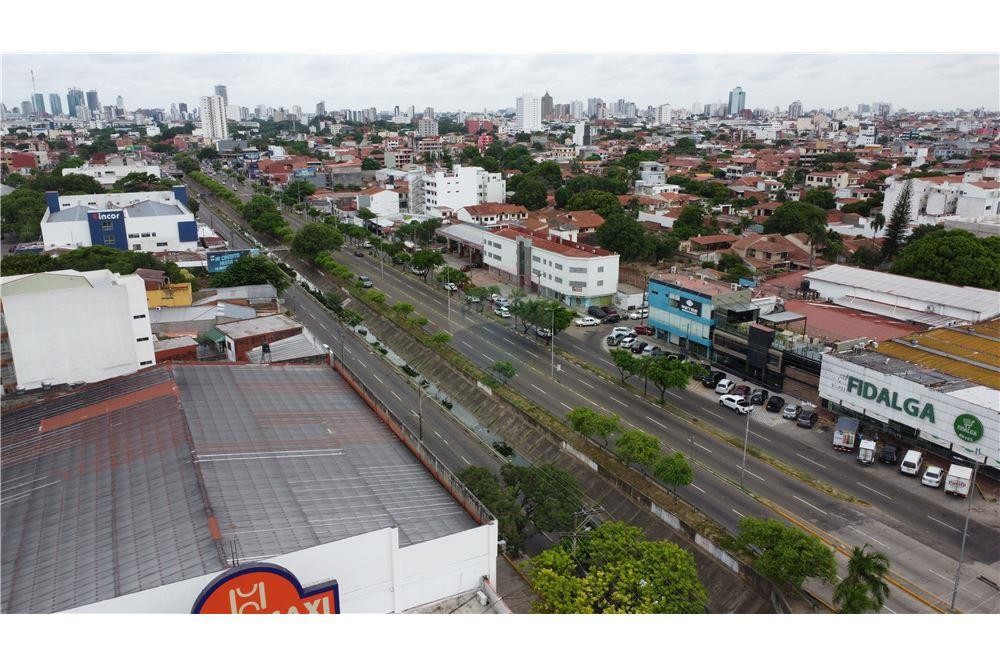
x=55, y=104
x=182, y=107
x=593, y=106
x=38, y=102
x=795, y=109
x=93, y=102
x=576, y=109
x=321, y=108
x=27, y=108
x=737, y=101
x=427, y=127
x=74, y=100
x=581, y=134
x=213, y=117
x=120, y=103
x=221, y=91
x=546, y=106
x=696, y=108
x=529, y=113
x=664, y=114
x=429, y=113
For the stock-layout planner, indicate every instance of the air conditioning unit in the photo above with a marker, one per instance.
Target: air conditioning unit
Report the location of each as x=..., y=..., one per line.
x=734, y=286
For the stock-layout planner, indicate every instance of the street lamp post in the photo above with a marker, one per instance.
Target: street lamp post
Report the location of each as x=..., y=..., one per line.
x=420, y=413
x=965, y=531
x=746, y=440
x=552, y=346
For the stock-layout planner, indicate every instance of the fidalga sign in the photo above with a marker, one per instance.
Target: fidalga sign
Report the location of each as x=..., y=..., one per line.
x=891, y=399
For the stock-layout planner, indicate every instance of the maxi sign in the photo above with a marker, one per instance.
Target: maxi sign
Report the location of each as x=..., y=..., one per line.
x=220, y=260
x=263, y=588
x=948, y=419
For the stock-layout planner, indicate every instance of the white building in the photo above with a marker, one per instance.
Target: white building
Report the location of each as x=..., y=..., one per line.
x=427, y=127
x=579, y=275
x=529, y=113
x=143, y=221
x=581, y=134
x=108, y=174
x=67, y=327
x=463, y=187
x=213, y=117
x=382, y=202
x=967, y=195
x=664, y=114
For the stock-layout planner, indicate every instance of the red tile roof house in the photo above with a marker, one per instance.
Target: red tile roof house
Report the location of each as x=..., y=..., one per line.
x=491, y=214
x=772, y=252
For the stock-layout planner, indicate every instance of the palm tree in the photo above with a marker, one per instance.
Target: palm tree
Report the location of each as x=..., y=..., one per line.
x=864, y=588
x=817, y=234
x=877, y=224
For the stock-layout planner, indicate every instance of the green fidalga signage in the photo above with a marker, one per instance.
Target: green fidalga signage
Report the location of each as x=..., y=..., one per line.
x=968, y=427
x=890, y=399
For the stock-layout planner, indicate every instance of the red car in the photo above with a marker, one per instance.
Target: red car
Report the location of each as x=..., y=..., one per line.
x=742, y=390
x=643, y=330
x=466, y=268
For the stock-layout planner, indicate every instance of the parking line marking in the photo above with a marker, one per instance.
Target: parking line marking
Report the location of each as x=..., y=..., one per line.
x=617, y=401
x=698, y=487
x=661, y=425
x=810, y=460
x=943, y=523
x=810, y=505
x=738, y=513
x=869, y=536
x=874, y=491
x=539, y=389
x=467, y=345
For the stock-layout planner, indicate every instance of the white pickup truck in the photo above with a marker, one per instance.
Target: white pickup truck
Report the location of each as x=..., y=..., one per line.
x=959, y=480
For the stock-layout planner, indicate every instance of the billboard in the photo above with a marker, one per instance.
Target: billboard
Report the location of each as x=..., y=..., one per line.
x=690, y=306
x=220, y=260
x=263, y=588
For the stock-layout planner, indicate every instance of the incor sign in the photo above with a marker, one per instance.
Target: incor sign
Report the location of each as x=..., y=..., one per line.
x=890, y=399
x=262, y=588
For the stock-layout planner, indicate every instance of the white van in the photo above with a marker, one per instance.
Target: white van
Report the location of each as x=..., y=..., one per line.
x=911, y=463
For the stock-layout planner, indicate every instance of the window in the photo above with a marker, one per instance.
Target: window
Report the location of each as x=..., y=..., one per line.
x=600, y=269
x=536, y=259
x=138, y=317
x=577, y=284
x=133, y=236
x=558, y=266
x=577, y=269
x=558, y=280
x=161, y=244
x=136, y=246
x=107, y=226
x=145, y=363
x=109, y=239
x=141, y=340
x=146, y=235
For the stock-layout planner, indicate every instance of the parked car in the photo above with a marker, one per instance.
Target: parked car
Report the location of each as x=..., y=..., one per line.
x=466, y=268
x=365, y=281
x=622, y=330
x=791, y=411
x=806, y=419
x=712, y=379
x=358, y=253
x=743, y=390
x=759, y=396
x=652, y=351
x=638, y=346
x=775, y=404
x=638, y=314
x=933, y=476
x=451, y=287
x=627, y=341
x=643, y=330
x=725, y=386
x=473, y=299
x=612, y=318
x=366, y=244
x=911, y=463
x=614, y=339
x=737, y=404
x=889, y=454
x=415, y=271
x=502, y=301
x=597, y=311
x=587, y=321
x=500, y=311
x=543, y=333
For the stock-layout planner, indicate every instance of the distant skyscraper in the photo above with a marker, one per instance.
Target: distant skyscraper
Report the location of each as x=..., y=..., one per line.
x=529, y=113
x=546, y=106
x=696, y=108
x=576, y=109
x=213, y=117
x=38, y=102
x=93, y=102
x=74, y=99
x=737, y=101
x=795, y=109
x=120, y=102
x=321, y=108
x=429, y=113
x=182, y=108
x=55, y=104
x=593, y=105
x=581, y=134
x=27, y=108
x=664, y=114
x=221, y=91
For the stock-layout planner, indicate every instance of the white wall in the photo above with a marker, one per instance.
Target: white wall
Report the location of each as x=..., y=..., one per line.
x=600, y=277
x=374, y=575
x=500, y=253
x=834, y=291
x=107, y=174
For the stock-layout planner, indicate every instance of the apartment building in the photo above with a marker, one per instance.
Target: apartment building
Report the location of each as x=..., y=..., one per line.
x=465, y=186
x=827, y=179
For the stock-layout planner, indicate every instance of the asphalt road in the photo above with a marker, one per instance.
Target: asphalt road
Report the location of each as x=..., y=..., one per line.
x=485, y=340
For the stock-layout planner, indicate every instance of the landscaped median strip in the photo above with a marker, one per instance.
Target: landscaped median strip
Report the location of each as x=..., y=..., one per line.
x=733, y=440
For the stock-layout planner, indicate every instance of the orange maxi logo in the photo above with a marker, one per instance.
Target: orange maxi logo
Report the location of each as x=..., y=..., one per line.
x=262, y=588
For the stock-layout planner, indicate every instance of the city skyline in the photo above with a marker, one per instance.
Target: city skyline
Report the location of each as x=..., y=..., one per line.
x=919, y=82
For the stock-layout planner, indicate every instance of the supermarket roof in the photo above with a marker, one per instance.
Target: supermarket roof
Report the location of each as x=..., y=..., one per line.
x=961, y=352
x=152, y=478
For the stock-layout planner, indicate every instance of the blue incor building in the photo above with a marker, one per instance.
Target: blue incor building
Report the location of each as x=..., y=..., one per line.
x=683, y=308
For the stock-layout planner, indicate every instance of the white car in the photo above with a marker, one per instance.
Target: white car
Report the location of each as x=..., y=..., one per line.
x=501, y=312
x=736, y=403
x=639, y=314
x=451, y=287
x=725, y=386
x=622, y=330
x=627, y=341
x=587, y=322
x=933, y=477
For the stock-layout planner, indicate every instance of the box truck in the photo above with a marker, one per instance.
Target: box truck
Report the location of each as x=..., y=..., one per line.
x=959, y=480
x=866, y=452
x=846, y=434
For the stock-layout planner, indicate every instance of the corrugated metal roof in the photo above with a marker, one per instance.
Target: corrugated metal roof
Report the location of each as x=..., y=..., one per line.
x=72, y=213
x=953, y=351
x=257, y=325
x=289, y=349
x=148, y=209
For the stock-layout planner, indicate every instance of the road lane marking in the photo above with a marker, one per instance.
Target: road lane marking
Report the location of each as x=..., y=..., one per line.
x=738, y=513
x=874, y=491
x=617, y=401
x=698, y=487
x=377, y=378
x=396, y=395
x=565, y=406
x=539, y=389
x=869, y=536
x=810, y=460
x=760, y=436
x=466, y=460
x=586, y=383
x=660, y=424
x=414, y=412
x=708, y=411
x=489, y=357
x=943, y=523
x=467, y=345
x=887, y=607
x=361, y=362
x=755, y=475
x=939, y=574
x=810, y=505
x=702, y=446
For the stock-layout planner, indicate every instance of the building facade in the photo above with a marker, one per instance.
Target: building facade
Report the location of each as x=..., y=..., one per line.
x=737, y=101
x=682, y=309
x=464, y=186
x=529, y=113
x=213, y=117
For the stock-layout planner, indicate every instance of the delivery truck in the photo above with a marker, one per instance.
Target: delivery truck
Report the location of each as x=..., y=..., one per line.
x=866, y=452
x=959, y=480
x=846, y=434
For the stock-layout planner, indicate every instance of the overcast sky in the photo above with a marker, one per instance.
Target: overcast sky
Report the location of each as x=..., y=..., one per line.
x=473, y=82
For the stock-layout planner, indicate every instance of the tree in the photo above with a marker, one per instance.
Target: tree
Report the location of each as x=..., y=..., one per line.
x=613, y=569
x=549, y=172
x=668, y=373
x=450, y=274
x=208, y=153
x=531, y=193
x=186, y=163
x=953, y=256
x=501, y=502
x=427, y=260
x=366, y=214
x=27, y=262
x=785, y=554
x=623, y=235
x=635, y=446
x=690, y=222
x=404, y=309
x=549, y=496
x=123, y=262
x=626, y=362
x=370, y=164
x=589, y=423
x=314, y=238
x=899, y=223
x=22, y=212
x=795, y=216
x=603, y=203
x=296, y=191
x=441, y=338
x=674, y=471
x=504, y=370
x=820, y=197
x=877, y=224
x=864, y=588
x=867, y=257
x=252, y=270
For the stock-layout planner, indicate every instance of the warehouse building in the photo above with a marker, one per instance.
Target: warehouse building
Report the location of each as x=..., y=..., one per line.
x=149, y=493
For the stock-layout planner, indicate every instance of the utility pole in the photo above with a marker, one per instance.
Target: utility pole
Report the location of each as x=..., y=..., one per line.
x=420, y=414
x=965, y=531
x=552, y=346
x=746, y=439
